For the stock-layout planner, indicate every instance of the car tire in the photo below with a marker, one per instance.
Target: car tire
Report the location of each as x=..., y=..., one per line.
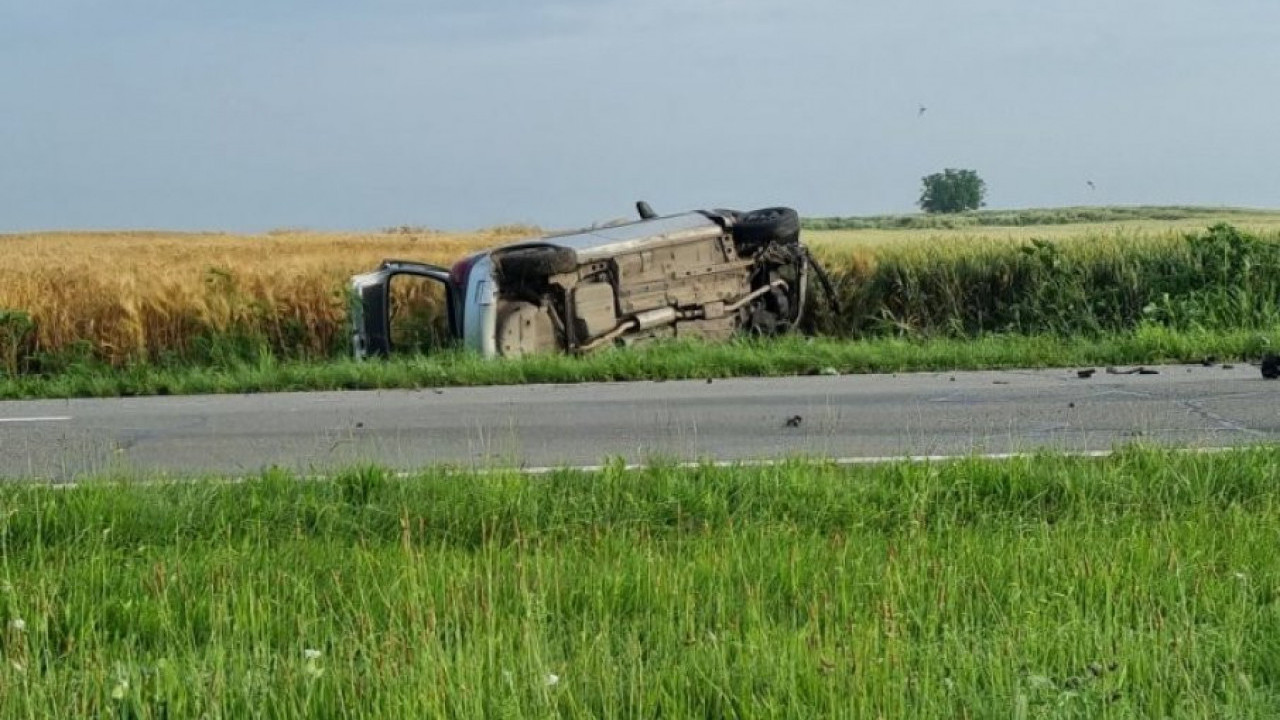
x=761, y=227
x=536, y=262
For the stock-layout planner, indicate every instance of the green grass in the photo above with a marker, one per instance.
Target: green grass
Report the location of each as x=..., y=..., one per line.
x=1041, y=216
x=1143, y=585
x=1223, y=278
x=678, y=360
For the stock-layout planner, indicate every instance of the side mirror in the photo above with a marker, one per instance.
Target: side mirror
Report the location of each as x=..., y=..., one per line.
x=645, y=211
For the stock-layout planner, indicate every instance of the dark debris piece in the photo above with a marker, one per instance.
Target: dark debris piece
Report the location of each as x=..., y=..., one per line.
x=1132, y=371
x=794, y=421
x=1271, y=366
x=1086, y=373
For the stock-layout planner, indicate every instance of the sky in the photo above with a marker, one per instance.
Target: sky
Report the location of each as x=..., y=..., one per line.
x=249, y=115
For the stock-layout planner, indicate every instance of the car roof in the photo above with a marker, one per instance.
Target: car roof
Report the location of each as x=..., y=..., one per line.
x=612, y=239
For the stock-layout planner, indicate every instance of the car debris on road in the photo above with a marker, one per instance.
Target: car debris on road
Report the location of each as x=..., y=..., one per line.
x=1140, y=370
x=1271, y=366
x=707, y=274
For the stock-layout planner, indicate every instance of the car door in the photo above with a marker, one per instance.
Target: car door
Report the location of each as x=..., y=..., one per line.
x=403, y=305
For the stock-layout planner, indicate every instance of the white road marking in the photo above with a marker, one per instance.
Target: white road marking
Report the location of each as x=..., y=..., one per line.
x=51, y=418
x=818, y=459
x=632, y=467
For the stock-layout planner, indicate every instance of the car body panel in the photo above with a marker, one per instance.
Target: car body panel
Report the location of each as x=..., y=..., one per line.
x=605, y=242
x=479, y=316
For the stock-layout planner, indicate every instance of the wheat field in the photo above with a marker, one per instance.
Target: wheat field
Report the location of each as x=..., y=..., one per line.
x=146, y=297
x=139, y=295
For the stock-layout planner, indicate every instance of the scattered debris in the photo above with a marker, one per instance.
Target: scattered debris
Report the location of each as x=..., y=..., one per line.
x=1271, y=366
x=1071, y=404
x=794, y=421
x=1086, y=373
x=1140, y=370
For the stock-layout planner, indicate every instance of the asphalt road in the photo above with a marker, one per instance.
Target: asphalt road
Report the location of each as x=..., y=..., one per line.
x=553, y=425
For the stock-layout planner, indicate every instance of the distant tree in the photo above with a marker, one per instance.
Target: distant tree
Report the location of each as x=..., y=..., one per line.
x=952, y=191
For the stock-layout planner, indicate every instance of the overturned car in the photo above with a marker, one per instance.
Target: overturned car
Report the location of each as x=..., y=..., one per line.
x=706, y=274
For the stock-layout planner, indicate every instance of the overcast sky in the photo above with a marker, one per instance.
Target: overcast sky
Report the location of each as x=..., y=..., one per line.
x=254, y=114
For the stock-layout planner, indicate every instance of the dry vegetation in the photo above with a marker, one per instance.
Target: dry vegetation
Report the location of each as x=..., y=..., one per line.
x=141, y=295
x=204, y=298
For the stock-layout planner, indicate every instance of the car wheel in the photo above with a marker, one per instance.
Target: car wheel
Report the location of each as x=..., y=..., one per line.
x=536, y=262
x=760, y=227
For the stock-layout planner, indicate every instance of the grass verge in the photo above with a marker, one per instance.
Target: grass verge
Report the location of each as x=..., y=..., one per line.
x=1141, y=585
x=785, y=356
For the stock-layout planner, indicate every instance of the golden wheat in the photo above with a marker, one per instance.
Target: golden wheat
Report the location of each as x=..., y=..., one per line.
x=140, y=295
x=124, y=296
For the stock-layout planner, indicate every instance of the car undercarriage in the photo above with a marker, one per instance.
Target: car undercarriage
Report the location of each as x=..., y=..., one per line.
x=705, y=274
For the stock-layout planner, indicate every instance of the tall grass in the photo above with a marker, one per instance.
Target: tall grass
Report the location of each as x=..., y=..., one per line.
x=144, y=299
x=1219, y=279
x=1143, y=585
x=1040, y=216
x=666, y=361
